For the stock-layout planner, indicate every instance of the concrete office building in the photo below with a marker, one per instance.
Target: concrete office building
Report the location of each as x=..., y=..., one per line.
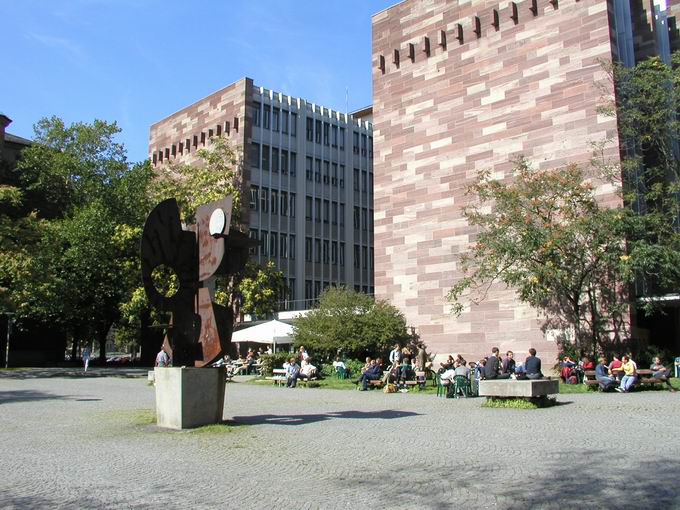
x=465, y=86
x=307, y=181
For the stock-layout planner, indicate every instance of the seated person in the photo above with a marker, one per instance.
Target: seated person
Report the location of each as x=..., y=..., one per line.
x=368, y=364
x=532, y=366
x=460, y=359
x=462, y=369
x=508, y=366
x=615, y=367
x=372, y=373
x=446, y=365
x=659, y=371
x=292, y=373
x=568, y=370
x=492, y=369
x=629, y=368
x=338, y=365
x=405, y=371
x=602, y=375
x=479, y=369
x=587, y=363
x=307, y=370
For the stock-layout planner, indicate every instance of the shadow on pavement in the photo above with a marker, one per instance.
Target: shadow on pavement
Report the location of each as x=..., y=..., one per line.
x=302, y=419
x=17, y=396
x=76, y=373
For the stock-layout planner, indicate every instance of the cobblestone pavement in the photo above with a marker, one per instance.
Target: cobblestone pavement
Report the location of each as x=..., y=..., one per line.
x=85, y=442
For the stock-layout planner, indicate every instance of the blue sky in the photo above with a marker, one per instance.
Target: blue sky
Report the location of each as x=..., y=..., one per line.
x=137, y=61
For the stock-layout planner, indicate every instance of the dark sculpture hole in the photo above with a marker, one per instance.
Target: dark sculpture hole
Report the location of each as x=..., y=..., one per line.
x=165, y=280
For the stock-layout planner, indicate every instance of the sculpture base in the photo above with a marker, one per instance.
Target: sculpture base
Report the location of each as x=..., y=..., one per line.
x=189, y=397
x=527, y=388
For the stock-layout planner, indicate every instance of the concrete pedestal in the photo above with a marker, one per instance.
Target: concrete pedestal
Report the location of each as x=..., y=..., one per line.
x=513, y=388
x=189, y=397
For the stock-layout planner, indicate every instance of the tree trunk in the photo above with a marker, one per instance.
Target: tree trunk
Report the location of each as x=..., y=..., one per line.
x=74, y=347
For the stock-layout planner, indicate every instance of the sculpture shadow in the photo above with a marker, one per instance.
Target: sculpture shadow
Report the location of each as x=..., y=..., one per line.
x=303, y=419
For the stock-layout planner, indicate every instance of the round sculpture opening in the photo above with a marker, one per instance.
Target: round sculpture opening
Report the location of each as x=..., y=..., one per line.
x=165, y=280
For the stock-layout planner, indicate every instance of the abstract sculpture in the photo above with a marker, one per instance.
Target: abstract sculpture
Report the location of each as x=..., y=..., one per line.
x=200, y=329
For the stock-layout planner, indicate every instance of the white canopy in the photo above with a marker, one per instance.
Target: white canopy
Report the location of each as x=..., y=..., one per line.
x=272, y=332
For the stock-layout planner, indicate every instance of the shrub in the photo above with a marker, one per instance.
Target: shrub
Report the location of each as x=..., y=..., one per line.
x=272, y=361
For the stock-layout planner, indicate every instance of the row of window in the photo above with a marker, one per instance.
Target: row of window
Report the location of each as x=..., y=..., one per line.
x=362, y=260
x=274, y=118
x=185, y=146
x=324, y=251
x=274, y=201
x=366, y=144
x=273, y=244
x=313, y=289
x=272, y=158
x=333, y=212
x=366, y=184
x=326, y=133
x=333, y=173
x=363, y=218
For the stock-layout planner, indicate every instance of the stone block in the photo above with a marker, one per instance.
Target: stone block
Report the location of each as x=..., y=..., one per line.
x=515, y=388
x=189, y=397
x=150, y=376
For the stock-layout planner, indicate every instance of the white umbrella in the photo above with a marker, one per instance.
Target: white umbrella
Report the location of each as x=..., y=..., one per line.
x=272, y=333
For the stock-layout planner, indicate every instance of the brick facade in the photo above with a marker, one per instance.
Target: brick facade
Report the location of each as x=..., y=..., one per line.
x=499, y=81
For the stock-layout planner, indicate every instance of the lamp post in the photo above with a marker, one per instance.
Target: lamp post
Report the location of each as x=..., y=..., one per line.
x=9, y=332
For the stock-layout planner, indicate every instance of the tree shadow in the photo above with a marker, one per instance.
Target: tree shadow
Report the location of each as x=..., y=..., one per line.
x=11, y=397
x=72, y=373
x=302, y=419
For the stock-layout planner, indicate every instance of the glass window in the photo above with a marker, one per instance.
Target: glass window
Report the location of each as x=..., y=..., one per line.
x=275, y=159
x=284, y=162
x=317, y=250
x=272, y=244
x=317, y=210
x=371, y=220
x=326, y=133
x=266, y=112
x=284, y=203
x=342, y=215
x=310, y=129
x=293, y=124
x=291, y=246
x=342, y=254
x=356, y=218
x=254, y=234
x=371, y=260
x=265, y=157
x=334, y=253
x=326, y=211
x=317, y=131
x=284, y=121
x=308, y=292
x=308, y=168
x=317, y=170
x=364, y=219
x=308, y=208
x=363, y=144
x=292, y=205
x=326, y=172
x=334, y=174
x=357, y=254
x=370, y=146
x=276, y=114
x=355, y=145
x=308, y=249
x=370, y=183
x=356, y=176
x=275, y=201
x=293, y=163
x=255, y=155
x=342, y=138
x=342, y=176
x=264, y=242
x=264, y=200
x=254, y=192
x=334, y=211
x=364, y=257
x=364, y=181
x=283, y=246
x=317, y=289
x=325, y=251
x=334, y=136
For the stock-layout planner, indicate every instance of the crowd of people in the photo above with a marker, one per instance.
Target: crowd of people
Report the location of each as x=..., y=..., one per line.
x=305, y=370
x=492, y=367
x=620, y=374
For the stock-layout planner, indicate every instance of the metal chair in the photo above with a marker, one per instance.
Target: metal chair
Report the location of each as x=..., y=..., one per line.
x=341, y=372
x=461, y=386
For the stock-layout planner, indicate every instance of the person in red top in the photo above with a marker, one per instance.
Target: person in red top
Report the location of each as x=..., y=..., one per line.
x=615, y=368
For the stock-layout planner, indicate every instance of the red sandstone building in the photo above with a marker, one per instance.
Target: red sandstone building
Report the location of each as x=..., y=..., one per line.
x=465, y=86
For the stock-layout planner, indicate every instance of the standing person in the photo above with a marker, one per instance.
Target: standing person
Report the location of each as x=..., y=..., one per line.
x=532, y=365
x=395, y=355
x=303, y=353
x=493, y=366
x=421, y=358
x=87, y=353
x=629, y=374
x=659, y=371
x=162, y=358
x=509, y=363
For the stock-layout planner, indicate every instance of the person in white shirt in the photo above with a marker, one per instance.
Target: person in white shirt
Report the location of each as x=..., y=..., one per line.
x=307, y=371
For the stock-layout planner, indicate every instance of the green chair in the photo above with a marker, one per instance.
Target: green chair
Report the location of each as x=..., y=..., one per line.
x=442, y=386
x=341, y=372
x=461, y=386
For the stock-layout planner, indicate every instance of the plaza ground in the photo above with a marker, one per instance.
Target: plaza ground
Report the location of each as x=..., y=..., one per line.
x=69, y=441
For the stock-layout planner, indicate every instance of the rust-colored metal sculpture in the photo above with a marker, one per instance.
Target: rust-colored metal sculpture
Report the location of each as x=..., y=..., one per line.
x=200, y=330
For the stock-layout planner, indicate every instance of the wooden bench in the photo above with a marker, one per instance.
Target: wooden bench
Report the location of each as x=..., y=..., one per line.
x=278, y=376
x=376, y=383
x=644, y=378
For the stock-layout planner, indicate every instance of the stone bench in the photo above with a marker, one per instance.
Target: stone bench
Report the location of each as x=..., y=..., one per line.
x=512, y=388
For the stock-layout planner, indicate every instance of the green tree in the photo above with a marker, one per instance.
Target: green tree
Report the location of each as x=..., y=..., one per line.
x=257, y=290
x=545, y=235
x=351, y=322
